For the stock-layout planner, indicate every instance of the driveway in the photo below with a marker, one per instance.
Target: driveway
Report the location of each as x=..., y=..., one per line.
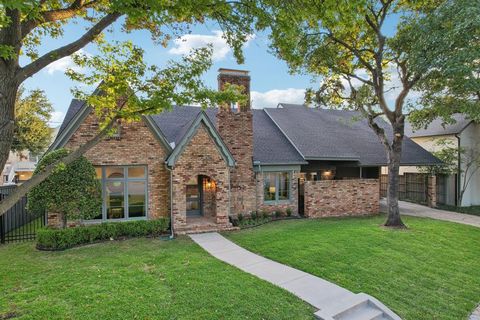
x=416, y=210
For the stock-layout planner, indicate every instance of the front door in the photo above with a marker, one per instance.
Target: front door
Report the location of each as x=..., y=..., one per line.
x=194, y=203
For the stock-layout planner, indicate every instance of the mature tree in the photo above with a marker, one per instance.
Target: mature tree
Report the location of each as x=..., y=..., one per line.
x=346, y=44
x=129, y=88
x=73, y=190
x=451, y=39
x=32, y=112
x=26, y=24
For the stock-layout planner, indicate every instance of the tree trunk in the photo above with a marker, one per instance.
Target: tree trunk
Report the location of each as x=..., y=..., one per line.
x=39, y=177
x=394, y=155
x=8, y=92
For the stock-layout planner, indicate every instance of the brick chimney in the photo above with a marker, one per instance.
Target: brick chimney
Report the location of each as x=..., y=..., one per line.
x=238, y=77
x=235, y=125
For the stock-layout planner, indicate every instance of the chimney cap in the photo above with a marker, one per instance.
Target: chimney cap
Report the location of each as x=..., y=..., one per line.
x=232, y=72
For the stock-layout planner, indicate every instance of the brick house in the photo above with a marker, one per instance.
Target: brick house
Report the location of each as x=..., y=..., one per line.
x=199, y=167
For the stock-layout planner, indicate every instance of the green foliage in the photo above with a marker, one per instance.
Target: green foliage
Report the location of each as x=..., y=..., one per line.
x=289, y=212
x=448, y=153
x=444, y=45
x=265, y=214
x=240, y=217
x=72, y=190
x=279, y=213
x=253, y=215
x=32, y=113
x=129, y=88
x=59, y=239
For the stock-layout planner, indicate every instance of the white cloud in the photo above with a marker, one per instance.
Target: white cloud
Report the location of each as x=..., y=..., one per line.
x=63, y=64
x=272, y=98
x=56, y=119
x=186, y=43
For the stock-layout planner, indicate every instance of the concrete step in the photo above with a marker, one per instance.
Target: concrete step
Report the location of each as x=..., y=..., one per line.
x=358, y=307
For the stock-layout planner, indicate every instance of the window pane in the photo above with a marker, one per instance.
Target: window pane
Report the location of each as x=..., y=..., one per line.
x=115, y=199
x=136, y=199
x=98, y=172
x=136, y=172
x=269, y=187
x=283, y=186
x=114, y=172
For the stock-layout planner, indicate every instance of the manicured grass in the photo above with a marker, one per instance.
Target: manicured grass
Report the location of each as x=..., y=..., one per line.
x=135, y=279
x=430, y=271
x=475, y=210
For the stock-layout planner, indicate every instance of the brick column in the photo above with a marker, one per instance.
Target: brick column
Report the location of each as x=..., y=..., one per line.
x=432, y=191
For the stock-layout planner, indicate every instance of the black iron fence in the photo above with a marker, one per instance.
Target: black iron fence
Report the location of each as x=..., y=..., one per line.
x=18, y=223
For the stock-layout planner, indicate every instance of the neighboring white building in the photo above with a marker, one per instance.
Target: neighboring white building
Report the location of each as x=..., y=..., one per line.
x=20, y=166
x=465, y=134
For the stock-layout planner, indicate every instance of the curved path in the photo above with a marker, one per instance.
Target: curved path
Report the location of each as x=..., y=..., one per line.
x=417, y=210
x=332, y=301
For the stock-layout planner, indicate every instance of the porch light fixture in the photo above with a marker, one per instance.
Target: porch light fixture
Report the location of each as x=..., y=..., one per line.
x=209, y=184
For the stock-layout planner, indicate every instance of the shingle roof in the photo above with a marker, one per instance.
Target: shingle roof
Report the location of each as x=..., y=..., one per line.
x=437, y=128
x=75, y=106
x=323, y=134
x=291, y=133
x=269, y=145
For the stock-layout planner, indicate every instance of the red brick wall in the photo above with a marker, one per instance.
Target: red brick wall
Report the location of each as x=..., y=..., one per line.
x=138, y=146
x=200, y=157
x=236, y=130
x=341, y=197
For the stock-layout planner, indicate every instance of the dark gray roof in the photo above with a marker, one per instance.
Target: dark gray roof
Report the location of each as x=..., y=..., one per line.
x=269, y=146
x=324, y=134
x=73, y=109
x=438, y=128
x=292, y=134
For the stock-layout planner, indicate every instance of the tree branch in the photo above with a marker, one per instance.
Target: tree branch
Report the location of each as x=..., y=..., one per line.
x=55, y=15
x=67, y=50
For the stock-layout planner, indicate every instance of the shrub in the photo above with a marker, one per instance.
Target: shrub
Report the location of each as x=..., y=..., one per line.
x=72, y=190
x=265, y=214
x=240, y=217
x=254, y=215
x=278, y=213
x=60, y=239
x=289, y=212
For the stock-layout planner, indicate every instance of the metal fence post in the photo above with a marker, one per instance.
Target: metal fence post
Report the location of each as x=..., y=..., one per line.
x=2, y=229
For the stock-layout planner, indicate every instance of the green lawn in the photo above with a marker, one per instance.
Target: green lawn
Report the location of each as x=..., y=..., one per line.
x=430, y=271
x=135, y=279
x=475, y=210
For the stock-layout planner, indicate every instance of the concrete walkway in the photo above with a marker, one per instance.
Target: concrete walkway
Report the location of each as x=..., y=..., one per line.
x=412, y=209
x=331, y=300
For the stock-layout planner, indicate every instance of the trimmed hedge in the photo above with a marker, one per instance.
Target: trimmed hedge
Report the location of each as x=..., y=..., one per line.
x=60, y=239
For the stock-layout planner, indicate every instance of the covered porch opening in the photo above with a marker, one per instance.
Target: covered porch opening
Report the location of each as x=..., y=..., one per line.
x=201, y=194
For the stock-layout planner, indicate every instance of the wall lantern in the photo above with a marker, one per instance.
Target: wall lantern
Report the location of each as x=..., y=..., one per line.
x=209, y=184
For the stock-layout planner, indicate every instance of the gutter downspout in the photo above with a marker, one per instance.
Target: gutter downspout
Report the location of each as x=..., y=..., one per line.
x=172, y=234
x=459, y=171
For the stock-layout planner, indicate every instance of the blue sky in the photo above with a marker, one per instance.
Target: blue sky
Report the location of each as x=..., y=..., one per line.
x=270, y=80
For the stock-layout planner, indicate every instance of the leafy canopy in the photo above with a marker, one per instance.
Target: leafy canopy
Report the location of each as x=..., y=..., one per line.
x=447, y=44
x=32, y=113
x=129, y=88
x=72, y=189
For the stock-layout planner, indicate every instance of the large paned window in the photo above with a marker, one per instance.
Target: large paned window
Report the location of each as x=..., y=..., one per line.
x=276, y=186
x=124, y=191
